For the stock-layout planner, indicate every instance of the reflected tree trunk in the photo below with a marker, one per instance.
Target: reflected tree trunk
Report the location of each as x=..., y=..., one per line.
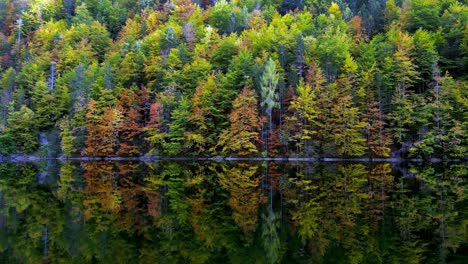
x=45, y=240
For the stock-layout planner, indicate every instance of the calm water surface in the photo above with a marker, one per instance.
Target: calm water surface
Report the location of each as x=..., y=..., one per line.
x=240, y=212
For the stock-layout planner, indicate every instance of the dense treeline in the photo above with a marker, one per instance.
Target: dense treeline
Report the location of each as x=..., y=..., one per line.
x=245, y=77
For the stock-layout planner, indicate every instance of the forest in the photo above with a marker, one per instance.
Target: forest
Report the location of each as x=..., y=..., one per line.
x=243, y=78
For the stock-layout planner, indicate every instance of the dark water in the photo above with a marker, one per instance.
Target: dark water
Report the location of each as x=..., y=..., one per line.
x=206, y=212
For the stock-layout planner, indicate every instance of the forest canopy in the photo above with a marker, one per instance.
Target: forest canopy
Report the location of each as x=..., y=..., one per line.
x=243, y=78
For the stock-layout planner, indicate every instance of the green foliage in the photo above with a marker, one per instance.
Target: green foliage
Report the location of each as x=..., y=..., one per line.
x=242, y=136
x=82, y=15
x=222, y=56
x=306, y=111
x=21, y=127
x=444, y=137
x=67, y=138
x=48, y=105
x=269, y=92
x=332, y=51
x=239, y=73
x=333, y=78
x=220, y=16
x=99, y=40
x=424, y=14
x=453, y=38
x=131, y=69
x=7, y=144
x=392, y=12
x=425, y=55
x=7, y=87
x=177, y=128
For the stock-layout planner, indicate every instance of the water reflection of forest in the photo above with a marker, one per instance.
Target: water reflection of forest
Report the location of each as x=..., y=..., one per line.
x=172, y=212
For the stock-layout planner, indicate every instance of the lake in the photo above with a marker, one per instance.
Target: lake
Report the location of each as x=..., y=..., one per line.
x=233, y=212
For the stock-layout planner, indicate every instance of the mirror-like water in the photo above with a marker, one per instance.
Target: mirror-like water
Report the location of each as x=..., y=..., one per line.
x=240, y=212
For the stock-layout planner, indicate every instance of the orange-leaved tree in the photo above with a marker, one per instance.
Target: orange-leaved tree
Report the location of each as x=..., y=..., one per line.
x=243, y=135
x=101, y=138
x=131, y=126
x=154, y=135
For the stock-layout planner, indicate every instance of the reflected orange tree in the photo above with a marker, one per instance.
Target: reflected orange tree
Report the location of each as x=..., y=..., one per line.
x=242, y=182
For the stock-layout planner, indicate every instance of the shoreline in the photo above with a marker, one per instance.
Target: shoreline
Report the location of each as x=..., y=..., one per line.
x=36, y=158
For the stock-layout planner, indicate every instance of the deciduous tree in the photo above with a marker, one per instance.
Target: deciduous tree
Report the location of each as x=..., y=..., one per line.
x=243, y=135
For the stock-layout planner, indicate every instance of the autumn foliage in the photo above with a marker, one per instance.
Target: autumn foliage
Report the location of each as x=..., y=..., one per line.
x=325, y=78
x=242, y=137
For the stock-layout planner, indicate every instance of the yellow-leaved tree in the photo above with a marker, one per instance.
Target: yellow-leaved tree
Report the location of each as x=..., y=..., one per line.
x=243, y=136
